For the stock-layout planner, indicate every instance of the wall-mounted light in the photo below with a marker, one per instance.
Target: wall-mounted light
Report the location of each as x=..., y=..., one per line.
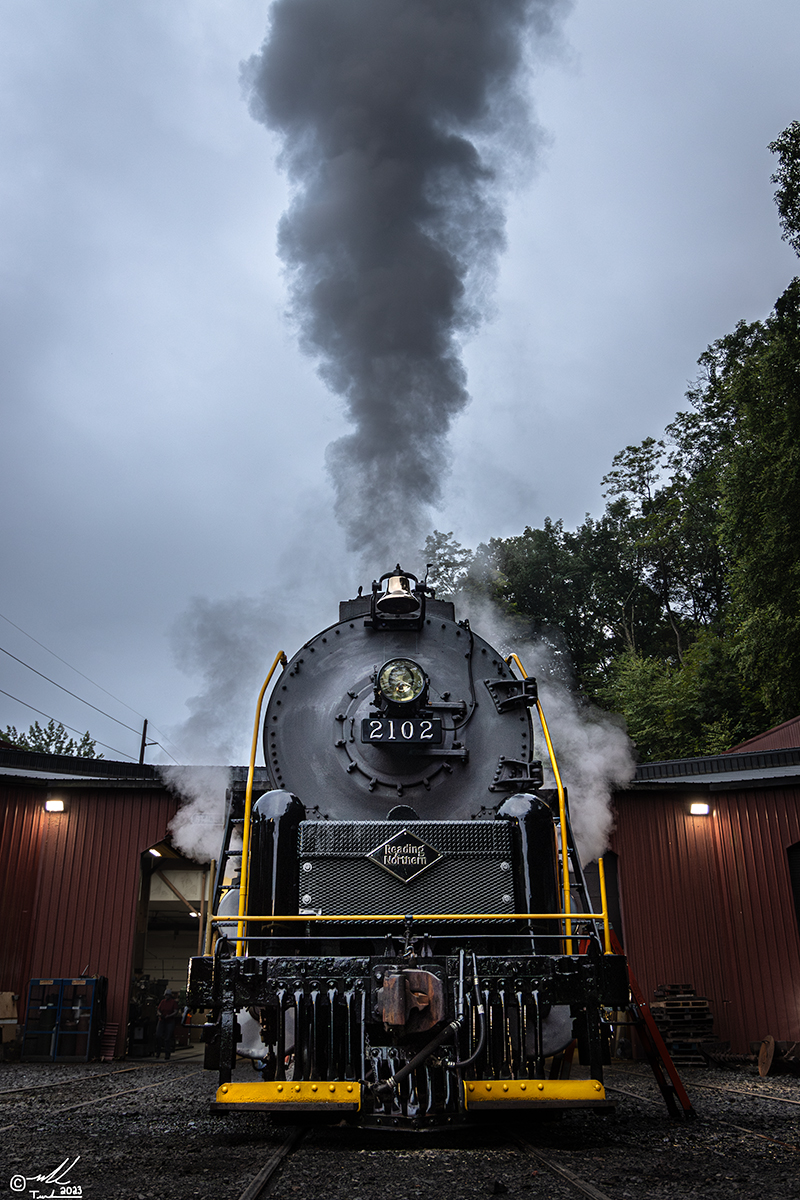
x=194, y=914
x=698, y=809
x=155, y=853
x=54, y=805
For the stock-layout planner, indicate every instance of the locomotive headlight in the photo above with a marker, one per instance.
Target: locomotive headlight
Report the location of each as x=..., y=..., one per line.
x=401, y=681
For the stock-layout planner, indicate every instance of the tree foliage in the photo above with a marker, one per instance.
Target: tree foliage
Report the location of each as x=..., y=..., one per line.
x=761, y=509
x=52, y=739
x=787, y=177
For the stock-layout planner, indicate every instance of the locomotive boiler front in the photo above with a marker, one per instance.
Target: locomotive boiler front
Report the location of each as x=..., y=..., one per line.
x=400, y=954
x=400, y=701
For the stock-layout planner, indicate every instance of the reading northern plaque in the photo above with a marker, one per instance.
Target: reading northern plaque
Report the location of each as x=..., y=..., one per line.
x=404, y=856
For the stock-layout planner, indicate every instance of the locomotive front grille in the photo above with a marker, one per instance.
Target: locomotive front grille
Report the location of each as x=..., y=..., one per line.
x=450, y=867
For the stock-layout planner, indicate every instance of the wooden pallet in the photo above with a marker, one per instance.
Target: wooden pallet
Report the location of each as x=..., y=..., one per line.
x=684, y=1020
x=108, y=1042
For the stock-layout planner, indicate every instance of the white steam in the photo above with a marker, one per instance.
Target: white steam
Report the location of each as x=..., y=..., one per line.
x=199, y=823
x=593, y=752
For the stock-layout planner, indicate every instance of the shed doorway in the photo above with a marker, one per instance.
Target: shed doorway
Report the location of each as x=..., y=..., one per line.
x=171, y=927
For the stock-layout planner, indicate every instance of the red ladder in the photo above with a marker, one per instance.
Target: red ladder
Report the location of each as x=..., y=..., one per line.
x=655, y=1050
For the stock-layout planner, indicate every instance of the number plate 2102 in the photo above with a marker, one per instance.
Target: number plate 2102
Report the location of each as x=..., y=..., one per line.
x=425, y=730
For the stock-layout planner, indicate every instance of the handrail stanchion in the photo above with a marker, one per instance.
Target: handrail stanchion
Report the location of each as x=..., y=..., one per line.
x=604, y=906
x=248, y=804
x=562, y=811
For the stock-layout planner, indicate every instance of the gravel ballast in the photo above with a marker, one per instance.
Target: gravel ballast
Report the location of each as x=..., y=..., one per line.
x=143, y=1130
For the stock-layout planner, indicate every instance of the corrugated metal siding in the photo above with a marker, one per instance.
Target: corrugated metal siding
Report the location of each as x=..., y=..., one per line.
x=22, y=813
x=708, y=901
x=90, y=878
x=69, y=885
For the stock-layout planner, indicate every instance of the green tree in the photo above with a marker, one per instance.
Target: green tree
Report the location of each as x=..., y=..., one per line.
x=700, y=707
x=787, y=177
x=52, y=739
x=761, y=509
x=448, y=563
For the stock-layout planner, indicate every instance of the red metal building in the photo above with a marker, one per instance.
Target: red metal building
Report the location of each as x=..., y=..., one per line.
x=70, y=881
x=712, y=898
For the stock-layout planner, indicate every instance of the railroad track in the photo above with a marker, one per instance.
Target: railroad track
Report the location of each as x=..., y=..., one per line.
x=107, y=1097
x=765, y=1137
x=261, y=1185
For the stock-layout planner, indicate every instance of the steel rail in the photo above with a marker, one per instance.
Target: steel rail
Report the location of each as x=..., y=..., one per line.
x=110, y=1096
x=715, y=1087
x=37, y=1087
x=580, y=1185
x=257, y=1185
x=753, y=1095
x=717, y=1120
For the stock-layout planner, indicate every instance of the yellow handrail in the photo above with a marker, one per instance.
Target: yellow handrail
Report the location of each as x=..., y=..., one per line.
x=248, y=805
x=562, y=809
x=279, y=918
x=604, y=904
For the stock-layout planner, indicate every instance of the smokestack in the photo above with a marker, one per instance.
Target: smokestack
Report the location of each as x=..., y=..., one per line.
x=389, y=112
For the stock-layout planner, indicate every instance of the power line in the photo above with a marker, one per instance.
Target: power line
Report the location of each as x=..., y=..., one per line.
x=93, y=683
x=69, y=693
x=69, y=727
x=75, y=669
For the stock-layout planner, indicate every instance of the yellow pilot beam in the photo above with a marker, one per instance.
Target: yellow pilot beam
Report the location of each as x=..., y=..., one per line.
x=248, y=804
x=496, y=1093
x=307, y=1093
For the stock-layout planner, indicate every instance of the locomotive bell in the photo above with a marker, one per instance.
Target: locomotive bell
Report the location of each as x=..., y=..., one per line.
x=398, y=598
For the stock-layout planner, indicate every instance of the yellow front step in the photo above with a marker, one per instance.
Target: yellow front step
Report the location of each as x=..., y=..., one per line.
x=308, y=1094
x=550, y=1093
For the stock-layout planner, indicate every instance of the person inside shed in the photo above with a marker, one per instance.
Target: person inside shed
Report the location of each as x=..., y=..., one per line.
x=165, y=1029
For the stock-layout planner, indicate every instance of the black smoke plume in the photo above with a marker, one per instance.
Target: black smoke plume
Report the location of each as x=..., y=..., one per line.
x=393, y=115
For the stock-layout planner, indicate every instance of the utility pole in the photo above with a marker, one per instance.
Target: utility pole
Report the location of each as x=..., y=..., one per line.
x=144, y=742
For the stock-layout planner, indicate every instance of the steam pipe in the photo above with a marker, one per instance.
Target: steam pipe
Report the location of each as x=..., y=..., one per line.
x=459, y=1064
x=390, y=1085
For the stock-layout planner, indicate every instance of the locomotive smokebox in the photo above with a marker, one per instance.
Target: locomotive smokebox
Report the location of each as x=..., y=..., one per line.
x=398, y=699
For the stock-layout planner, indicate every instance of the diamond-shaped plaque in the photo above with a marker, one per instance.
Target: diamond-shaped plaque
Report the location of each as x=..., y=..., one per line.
x=405, y=856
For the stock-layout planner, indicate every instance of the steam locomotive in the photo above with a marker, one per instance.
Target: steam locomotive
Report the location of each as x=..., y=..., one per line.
x=407, y=940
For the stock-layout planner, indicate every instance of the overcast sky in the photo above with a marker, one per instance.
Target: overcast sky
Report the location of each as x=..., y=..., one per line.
x=167, y=522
